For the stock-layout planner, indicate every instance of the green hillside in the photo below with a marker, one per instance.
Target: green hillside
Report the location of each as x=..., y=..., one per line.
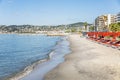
x=78, y=24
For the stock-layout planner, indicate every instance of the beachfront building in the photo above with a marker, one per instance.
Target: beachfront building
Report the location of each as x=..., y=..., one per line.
x=118, y=17
x=102, y=22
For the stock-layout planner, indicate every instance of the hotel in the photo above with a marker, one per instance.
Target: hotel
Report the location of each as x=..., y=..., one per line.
x=102, y=22
x=118, y=17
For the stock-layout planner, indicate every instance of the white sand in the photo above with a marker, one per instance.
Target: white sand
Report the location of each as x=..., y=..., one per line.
x=88, y=61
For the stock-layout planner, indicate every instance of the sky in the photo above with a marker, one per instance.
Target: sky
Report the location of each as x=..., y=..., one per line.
x=54, y=12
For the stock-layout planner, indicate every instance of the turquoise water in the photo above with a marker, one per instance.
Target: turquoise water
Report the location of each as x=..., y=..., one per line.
x=20, y=51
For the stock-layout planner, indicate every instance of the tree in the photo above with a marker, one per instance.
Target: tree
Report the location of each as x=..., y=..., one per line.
x=104, y=20
x=115, y=27
x=73, y=29
x=91, y=28
x=85, y=24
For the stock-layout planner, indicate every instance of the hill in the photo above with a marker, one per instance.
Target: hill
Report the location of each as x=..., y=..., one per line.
x=78, y=24
x=33, y=28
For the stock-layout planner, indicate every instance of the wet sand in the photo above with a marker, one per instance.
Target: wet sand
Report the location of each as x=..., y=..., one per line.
x=88, y=61
x=55, y=57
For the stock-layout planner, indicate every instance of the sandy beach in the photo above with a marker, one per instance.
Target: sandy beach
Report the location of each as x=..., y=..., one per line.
x=87, y=61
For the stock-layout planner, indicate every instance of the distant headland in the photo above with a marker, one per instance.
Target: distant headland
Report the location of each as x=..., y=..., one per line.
x=74, y=27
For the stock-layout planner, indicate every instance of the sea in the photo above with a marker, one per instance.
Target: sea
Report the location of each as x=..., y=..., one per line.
x=20, y=51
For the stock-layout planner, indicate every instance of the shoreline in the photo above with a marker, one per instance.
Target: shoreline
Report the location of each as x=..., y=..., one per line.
x=54, y=59
x=28, y=69
x=87, y=61
x=47, y=33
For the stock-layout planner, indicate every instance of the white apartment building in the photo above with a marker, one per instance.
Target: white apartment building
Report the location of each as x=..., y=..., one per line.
x=102, y=22
x=118, y=17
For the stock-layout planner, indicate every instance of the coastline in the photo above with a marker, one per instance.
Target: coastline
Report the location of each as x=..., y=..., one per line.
x=29, y=68
x=26, y=71
x=47, y=33
x=87, y=61
x=40, y=68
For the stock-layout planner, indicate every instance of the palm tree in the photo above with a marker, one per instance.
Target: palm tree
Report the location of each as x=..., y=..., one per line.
x=85, y=24
x=104, y=21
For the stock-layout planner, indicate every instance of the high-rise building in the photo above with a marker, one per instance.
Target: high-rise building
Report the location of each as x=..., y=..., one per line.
x=118, y=17
x=102, y=22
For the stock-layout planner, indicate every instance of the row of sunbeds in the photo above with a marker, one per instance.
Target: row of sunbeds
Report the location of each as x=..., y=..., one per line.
x=108, y=38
